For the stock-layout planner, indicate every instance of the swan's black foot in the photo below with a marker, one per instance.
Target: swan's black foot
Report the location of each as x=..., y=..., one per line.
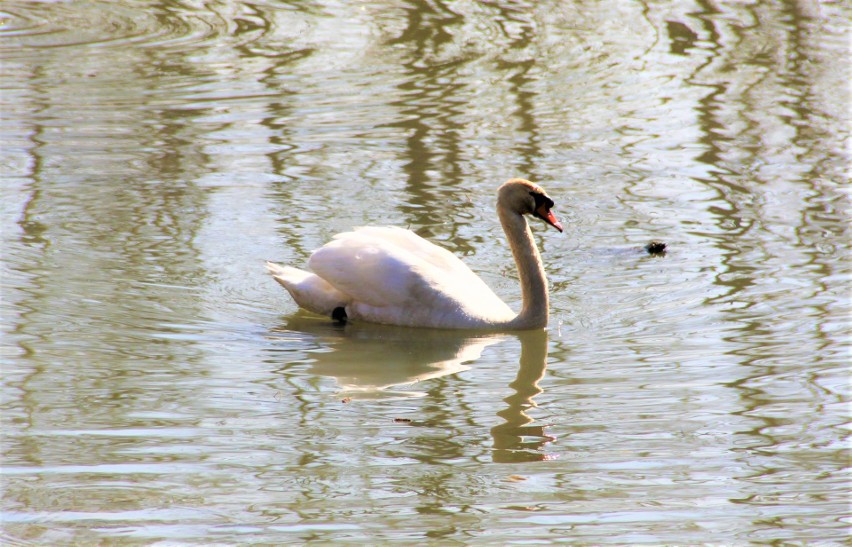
x=339, y=314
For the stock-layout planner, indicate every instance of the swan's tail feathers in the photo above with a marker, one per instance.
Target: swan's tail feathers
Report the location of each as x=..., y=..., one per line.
x=310, y=291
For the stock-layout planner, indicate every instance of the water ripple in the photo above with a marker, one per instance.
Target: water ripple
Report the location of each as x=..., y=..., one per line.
x=49, y=25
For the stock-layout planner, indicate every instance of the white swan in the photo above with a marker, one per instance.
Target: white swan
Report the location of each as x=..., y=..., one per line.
x=393, y=276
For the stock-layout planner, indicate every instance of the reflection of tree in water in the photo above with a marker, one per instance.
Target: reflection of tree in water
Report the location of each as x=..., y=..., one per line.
x=516, y=25
x=778, y=230
x=435, y=107
x=112, y=193
x=430, y=112
x=770, y=110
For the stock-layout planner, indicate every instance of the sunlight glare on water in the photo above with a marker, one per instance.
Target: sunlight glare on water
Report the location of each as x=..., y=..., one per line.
x=160, y=387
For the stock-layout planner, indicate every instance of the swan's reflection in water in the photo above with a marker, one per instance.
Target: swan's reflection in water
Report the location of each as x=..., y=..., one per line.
x=378, y=361
x=375, y=361
x=517, y=440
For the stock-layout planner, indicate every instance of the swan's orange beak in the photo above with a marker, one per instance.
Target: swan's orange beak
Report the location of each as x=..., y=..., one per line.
x=547, y=215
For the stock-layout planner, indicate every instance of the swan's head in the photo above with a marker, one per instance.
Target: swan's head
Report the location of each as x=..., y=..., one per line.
x=527, y=198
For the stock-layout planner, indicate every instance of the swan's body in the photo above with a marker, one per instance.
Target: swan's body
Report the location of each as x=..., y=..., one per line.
x=393, y=276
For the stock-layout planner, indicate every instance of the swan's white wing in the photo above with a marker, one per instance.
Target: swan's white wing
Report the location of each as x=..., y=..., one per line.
x=393, y=275
x=409, y=241
x=366, y=269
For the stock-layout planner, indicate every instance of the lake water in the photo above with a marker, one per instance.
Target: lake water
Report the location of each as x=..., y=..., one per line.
x=160, y=388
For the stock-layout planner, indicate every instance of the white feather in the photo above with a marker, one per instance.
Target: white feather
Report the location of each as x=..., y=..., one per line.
x=308, y=290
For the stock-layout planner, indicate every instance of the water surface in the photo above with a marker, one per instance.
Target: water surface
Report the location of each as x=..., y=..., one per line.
x=159, y=387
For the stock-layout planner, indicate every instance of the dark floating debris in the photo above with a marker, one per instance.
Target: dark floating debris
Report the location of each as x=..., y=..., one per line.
x=402, y=420
x=346, y=400
x=656, y=248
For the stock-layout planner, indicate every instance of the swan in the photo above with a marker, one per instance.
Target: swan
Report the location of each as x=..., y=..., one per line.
x=393, y=276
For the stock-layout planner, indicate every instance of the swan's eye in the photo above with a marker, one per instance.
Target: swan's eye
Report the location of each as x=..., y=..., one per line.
x=541, y=199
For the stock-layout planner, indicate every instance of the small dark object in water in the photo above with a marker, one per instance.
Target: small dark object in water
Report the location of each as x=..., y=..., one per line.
x=339, y=314
x=402, y=420
x=346, y=400
x=656, y=248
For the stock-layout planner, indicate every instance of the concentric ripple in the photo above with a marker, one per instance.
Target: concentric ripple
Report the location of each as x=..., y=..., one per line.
x=25, y=25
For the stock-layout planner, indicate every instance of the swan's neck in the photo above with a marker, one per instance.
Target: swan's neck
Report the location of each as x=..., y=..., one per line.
x=530, y=269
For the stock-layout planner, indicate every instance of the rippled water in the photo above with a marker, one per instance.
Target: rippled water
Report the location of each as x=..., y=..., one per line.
x=159, y=387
